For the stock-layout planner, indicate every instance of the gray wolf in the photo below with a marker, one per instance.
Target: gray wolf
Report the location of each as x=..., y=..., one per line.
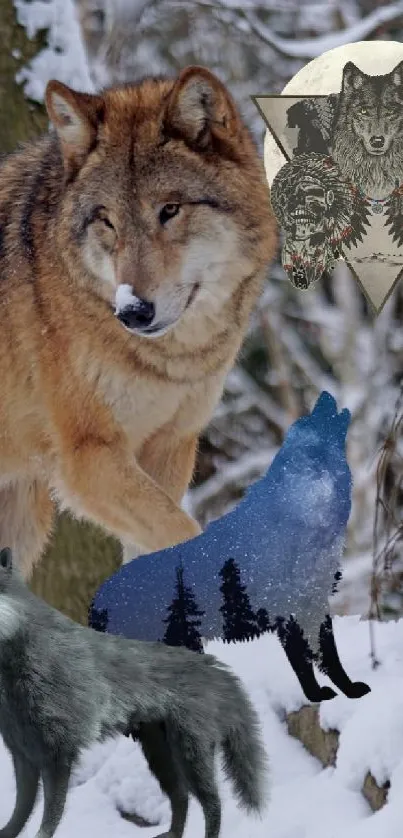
x=157, y=186
x=367, y=134
x=64, y=686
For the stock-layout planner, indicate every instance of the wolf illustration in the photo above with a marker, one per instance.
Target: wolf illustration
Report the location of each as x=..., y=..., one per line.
x=367, y=134
x=286, y=537
x=320, y=213
x=64, y=686
x=157, y=186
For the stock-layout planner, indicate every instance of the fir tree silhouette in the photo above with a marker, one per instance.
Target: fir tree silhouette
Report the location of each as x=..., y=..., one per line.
x=98, y=619
x=239, y=621
x=263, y=621
x=183, y=621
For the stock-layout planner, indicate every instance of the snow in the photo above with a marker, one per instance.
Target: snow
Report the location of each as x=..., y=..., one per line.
x=124, y=298
x=64, y=57
x=306, y=800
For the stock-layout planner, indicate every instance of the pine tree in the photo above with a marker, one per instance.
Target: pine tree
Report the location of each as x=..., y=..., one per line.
x=97, y=619
x=183, y=621
x=239, y=619
x=262, y=620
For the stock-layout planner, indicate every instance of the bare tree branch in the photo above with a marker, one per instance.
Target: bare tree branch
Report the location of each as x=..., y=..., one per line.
x=313, y=47
x=309, y=47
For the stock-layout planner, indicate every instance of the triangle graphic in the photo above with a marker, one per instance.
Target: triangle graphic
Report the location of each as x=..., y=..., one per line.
x=365, y=229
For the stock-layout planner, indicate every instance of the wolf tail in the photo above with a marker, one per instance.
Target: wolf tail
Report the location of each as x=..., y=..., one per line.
x=245, y=760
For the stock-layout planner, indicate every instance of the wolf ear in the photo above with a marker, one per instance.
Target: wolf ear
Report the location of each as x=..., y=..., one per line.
x=326, y=406
x=200, y=108
x=352, y=77
x=397, y=75
x=6, y=558
x=76, y=118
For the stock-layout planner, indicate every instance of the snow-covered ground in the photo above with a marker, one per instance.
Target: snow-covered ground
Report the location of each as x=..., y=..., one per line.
x=306, y=800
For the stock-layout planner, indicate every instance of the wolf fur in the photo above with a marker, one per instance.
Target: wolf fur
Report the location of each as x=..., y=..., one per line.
x=157, y=186
x=64, y=686
x=367, y=136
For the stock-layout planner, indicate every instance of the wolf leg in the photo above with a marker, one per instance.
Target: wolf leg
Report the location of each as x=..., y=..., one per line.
x=197, y=764
x=329, y=662
x=131, y=551
x=127, y=501
x=300, y=657
x=160, y=759
x=170, y=462
x=27, y=782
x=26, y=517
x=55, y=785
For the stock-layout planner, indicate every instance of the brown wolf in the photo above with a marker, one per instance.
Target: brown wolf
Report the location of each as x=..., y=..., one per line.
x=156, y=186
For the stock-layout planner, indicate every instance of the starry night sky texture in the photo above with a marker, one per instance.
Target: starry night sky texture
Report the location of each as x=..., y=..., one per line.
x=286, y=538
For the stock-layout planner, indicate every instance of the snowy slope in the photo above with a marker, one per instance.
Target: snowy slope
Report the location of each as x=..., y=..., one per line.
x=306, y=801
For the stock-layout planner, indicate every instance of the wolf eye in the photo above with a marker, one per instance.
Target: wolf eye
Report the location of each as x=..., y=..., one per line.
x=169, y=211
x=364, y=111
x=101, y=216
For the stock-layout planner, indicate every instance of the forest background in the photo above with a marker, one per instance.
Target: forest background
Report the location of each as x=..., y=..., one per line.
x=299, y=343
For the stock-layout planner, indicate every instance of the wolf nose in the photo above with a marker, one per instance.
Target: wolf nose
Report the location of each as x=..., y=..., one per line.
x=137, y=316
x=377, y=141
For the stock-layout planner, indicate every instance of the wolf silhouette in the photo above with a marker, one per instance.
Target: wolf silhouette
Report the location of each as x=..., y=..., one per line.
x=287, y=538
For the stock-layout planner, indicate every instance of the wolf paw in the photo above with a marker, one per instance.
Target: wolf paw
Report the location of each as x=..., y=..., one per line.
x=138, y=820
x=326, y=693
x=321, y=694
x=358, y=689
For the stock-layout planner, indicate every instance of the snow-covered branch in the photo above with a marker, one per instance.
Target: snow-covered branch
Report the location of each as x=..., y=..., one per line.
x=306, y=48
x=309, y=48
x=64, y=56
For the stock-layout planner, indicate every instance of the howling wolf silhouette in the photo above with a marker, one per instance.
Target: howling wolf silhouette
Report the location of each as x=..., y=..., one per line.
x=286, y=536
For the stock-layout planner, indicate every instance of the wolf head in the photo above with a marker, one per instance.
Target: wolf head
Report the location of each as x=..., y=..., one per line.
x=324, y=426
x=160, y=178
x=310, y=473
x=372, y=107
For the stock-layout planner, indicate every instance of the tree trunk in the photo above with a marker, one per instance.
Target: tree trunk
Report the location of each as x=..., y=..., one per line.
x=21, y=120
x=79, y=556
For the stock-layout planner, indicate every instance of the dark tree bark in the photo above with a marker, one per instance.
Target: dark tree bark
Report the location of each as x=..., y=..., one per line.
x=21, y=120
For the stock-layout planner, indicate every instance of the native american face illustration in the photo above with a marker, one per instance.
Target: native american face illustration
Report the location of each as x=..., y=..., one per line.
x=309, y=209
x=320, y=214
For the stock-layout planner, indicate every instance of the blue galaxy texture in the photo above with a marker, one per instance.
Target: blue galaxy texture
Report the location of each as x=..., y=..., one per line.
x=286, y=536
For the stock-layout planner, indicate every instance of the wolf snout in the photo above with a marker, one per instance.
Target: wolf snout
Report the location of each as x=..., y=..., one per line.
x=377, y=142
x=133, y=311
x=137, y=316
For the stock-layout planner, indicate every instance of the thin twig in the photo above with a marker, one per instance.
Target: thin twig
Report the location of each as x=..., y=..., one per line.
x=387, y=527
